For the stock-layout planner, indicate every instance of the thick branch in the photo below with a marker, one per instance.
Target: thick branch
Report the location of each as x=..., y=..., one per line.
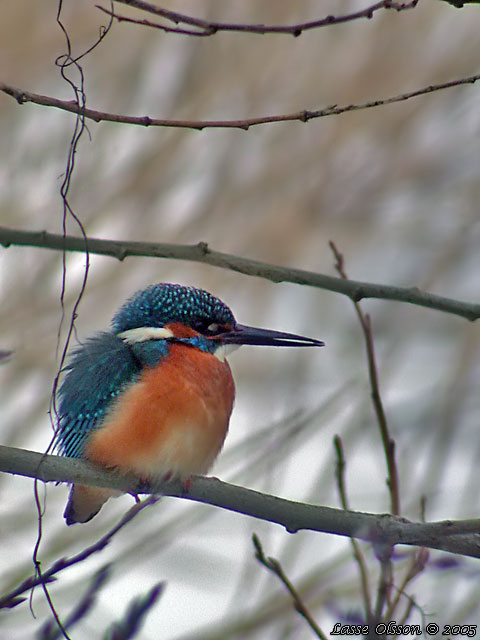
x=72, y=106
x=200, y=252
x=461, y=537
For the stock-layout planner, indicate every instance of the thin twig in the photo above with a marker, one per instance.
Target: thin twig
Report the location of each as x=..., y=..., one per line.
x=357, y=551
x=407, y=612
x=202, y=28
x=275, y=567
x=387, y=441
x=11, y=599
x=128, y=626
x=416, y=566
x=412, y=604
x=384, y=583
x=51, y=631
x=22, y=96
x=202, y=253
x=72, y=73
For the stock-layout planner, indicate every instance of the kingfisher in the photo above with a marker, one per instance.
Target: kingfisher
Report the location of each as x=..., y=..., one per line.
x=153, y=396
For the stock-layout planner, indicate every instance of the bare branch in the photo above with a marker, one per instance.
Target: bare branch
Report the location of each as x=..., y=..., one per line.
x=416, y=566
x=201, y=252
x=202, y=28
x=357, y=551
x=275, y=567
x=50, y=630
x=459, y=4
x=387, y=441
x=22, y=96
x=461, y=536
x=11, y=599
x=128, y=626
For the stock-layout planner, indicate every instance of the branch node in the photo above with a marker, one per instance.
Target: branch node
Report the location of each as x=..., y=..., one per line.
x=383, y=550
x=291, y=529
x=203, y=248
x=20, y=98
x=357, y=294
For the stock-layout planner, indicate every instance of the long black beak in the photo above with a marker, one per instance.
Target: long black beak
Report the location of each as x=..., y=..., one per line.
x=242, y=334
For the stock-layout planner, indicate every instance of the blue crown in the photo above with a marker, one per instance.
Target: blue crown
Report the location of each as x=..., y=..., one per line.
x=164, y=303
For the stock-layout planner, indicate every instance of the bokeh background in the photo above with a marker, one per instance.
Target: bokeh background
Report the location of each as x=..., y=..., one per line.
x=397, y=188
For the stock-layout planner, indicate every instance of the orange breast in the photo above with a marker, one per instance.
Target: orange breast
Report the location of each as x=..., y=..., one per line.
x=174, y=419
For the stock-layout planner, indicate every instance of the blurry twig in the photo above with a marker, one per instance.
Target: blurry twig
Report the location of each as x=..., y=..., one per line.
x=5, y=356
x=202, y=28
x=357, y=552
x=274, y=566
x=416, y=566
x=412, y=604
x=388, y=443
x=11, y=599
x=201, y=252
x=383, y=589
x=132, y=621
x=305, y=115
x=460, y=536
x=51, y=631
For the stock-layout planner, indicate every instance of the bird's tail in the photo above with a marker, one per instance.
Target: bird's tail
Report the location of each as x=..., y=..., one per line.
x=85, y=502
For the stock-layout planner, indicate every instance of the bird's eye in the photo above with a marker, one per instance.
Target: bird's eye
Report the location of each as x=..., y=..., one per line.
x=200, y=325
x=205, y=329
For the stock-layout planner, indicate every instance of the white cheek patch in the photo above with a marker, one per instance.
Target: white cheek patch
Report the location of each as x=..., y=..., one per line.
x=224, y=350
x=144, y=334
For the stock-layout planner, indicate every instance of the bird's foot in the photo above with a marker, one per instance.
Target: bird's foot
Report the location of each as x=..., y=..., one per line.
x=144, y=485
x=186, y=485
x=167, y=476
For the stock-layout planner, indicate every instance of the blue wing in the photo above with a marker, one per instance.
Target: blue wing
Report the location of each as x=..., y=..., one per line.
x=99, y=370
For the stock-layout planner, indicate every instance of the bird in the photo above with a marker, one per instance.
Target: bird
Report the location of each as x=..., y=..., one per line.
x=154, y=394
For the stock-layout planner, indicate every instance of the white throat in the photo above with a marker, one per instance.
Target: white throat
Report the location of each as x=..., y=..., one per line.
x=224, y=350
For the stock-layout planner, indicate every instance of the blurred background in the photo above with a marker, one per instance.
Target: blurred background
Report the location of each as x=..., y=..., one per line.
x=397, y=188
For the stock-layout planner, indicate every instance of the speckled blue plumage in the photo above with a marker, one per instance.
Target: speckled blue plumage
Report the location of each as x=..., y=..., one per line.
x=161, y=304
x=98, y=371
x=105, y=365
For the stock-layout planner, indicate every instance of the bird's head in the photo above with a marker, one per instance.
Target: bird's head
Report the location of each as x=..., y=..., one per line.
x=176, y=313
